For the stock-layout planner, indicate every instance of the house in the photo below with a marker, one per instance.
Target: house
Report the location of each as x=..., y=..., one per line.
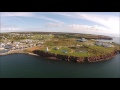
x=17, y=45
x=8, y=47
x=13, y=48
x=83, y=51
x=56, y=48
x=93, y=39
x=78, y=45
x=2, y=44
x=82, y=40
x=112, y=46
x=8, y=43
x=107, y=45
x=98, y=43
x=16, y=42
x=1, y=48
x=30, y=45
x=64, y=51
x=40, y=42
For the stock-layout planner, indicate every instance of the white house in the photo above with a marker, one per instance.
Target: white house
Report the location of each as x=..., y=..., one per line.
x=47, y=49
x=13, y=48
x=16, y=42
x=98, y=43
x=56, y=48
x=82, y=40
x=107, y=45
x=8, y=43
x=64, y=51
x=2, y=44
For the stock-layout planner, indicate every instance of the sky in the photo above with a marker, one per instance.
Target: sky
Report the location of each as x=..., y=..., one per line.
x=101, y=23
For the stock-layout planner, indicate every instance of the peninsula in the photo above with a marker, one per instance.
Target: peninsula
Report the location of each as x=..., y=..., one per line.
x=60, y=46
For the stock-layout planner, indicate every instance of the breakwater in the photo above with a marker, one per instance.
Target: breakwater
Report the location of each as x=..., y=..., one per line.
x=97, y=58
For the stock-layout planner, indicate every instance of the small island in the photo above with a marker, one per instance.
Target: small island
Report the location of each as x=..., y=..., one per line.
x=74, y=47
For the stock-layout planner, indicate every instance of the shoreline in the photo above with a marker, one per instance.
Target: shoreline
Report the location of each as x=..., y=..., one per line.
x=17, y=52
x=62, y=57
x=52, y=56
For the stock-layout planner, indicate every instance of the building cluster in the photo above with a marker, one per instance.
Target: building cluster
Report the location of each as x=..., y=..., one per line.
x=22, y=44
x=100, y=43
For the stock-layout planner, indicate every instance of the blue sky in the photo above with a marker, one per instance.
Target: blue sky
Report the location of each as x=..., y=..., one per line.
x=106, y=23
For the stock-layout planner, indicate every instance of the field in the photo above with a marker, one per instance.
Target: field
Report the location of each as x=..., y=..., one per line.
x=75, y=48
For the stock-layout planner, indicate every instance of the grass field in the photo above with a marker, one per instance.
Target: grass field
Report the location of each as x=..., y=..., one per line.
x=90, y=50
x=89, y=47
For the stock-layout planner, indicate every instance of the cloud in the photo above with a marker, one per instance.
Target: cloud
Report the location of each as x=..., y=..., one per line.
x=104, y=23
x=57, y=24
x=67, y=14
x=110, y=22
x=85, y=28
x=15, y=28
x=49, y=19
x=9, y=28
x=34, y=29
x=27, y=14
x=96, y=29
x=19, y=19
x=22, y=14
x=80, y=26
x=16, y=15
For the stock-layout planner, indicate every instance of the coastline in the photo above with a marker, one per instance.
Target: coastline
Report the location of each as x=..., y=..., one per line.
x=17, y=52
x=52, y=56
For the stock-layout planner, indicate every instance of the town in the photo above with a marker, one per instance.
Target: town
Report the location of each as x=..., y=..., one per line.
x=16, y=41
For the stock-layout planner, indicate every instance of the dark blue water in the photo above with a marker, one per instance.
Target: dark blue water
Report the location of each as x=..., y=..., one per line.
x=26, y=66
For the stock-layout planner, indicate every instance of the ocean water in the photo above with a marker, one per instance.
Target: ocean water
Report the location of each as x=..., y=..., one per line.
x=26, y=66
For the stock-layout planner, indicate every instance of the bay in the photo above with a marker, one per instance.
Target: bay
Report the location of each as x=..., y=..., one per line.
x=26, y=66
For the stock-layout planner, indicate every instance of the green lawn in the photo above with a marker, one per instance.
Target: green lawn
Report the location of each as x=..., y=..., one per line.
x=63, y=44
x=70, y=52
